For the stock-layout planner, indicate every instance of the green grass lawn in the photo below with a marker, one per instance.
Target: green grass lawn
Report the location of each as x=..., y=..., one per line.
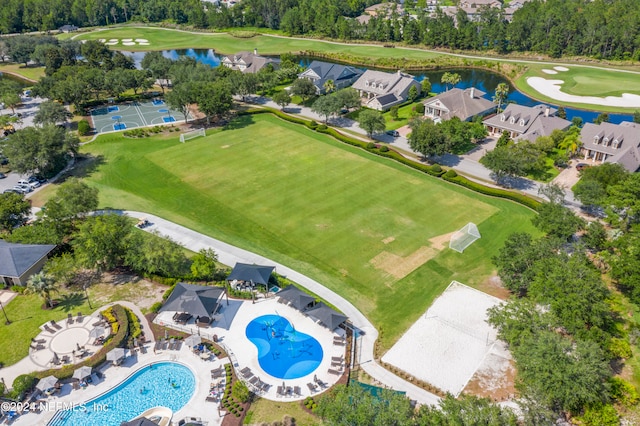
x=319, y=206
x=26, y=315
x=30, y=73
x=404, y=114
x=583, y=81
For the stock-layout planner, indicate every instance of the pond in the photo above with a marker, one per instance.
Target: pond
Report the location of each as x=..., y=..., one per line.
x=486, y=81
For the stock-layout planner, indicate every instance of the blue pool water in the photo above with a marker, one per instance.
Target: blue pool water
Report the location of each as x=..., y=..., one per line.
x=165, y=384
x=283, y=352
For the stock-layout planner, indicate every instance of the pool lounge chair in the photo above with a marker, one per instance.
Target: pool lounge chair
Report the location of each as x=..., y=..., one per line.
x=280, y=391
x=177, y=345
x=49, y=329
x=297, y=391
x=264, y=387
x=337, y=358
x=56, y=326
x=335, y=372
x=312, y=388
x=336, y=364
x=80, y=318
x=39, y=340
x=69, y=318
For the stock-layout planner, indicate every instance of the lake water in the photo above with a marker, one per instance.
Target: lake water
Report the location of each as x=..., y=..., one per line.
x=484, y=80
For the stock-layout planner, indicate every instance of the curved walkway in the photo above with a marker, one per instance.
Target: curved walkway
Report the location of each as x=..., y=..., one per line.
x=230, y=255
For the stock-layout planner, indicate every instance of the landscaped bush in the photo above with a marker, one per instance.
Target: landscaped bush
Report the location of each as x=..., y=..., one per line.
x=312, y=125
x=21, y=385
x=156, y=307
x=84, y=128
x=135, y=330
x=623, y=392
x=322, y=127
x=18, y=288
x=240, y=391
x=437, y=168
x=384, y=148
x=420, y=108
x=371, y=145
x=450, y=174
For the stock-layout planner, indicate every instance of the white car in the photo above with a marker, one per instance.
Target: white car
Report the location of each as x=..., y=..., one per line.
x=23, y=189
x=31, y=185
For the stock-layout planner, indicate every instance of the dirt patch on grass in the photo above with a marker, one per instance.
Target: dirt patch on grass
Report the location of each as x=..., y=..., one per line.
x=398, y=266
x=493, y=286
x=441, y=242
x=119, y=286
x=388, y=240
x=494, y=379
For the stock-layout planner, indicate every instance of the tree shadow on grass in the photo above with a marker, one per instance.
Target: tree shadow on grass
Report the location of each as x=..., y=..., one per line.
x=69, y=302
x=85, y=165
x=239, y=123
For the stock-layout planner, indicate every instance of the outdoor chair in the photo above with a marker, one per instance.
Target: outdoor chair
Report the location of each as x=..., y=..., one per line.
x=69, y=318
x=336, y=364
x=312, y=388
x=264, y=387
x=254, y=380
x=66, y=359
x=337, y=359
x=280, y=391
x=297, y=391
x=177, y=345
x=39, y=340
x=335, y=372
x=80, y=318
x=49, y=329
x=55, y=325
x=288, y=391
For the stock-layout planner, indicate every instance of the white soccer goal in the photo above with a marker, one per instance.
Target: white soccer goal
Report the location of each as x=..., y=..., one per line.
x=192, y=134
x=463, y=238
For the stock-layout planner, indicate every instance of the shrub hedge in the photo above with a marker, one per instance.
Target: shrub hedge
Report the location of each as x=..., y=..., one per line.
x=434, y=170
x=99, y=357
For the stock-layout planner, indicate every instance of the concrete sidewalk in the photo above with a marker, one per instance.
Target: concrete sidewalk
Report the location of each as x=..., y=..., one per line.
x=230, y=255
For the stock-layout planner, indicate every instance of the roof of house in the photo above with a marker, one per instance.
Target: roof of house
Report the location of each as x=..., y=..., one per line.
x=620, y=141
x=197, y=300
x=544, y=126
x=16, y=259
x=327, y=316
x=383, y=83
x=257, y=274
x=295, y=297
x=363, y=19
x=461, y=103
x=252, y=62
x=320, y=72
x=522, y=116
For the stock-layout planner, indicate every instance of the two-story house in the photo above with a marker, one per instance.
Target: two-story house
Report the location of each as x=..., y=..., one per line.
x=248, y=62
x=525, y=123
x=612, y=143
x=382, y=90
x=320, y=72
x=462, y=103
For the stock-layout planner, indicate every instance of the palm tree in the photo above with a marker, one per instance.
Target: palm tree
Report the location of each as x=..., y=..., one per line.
x=502, y=91
x=449, y=78
x=42, y=285
x=329, y=86
x=571, y=143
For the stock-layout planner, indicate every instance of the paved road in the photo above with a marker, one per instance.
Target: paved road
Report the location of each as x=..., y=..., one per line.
x=230, y=255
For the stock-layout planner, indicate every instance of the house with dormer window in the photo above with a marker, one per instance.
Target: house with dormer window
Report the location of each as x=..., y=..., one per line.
x=462, y=103
x=248, y=62
x=320, y=72
x=382, y=90
x=525, y=123
x=612, y=143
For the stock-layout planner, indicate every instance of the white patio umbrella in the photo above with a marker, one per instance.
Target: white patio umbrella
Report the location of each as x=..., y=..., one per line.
x=47, y=383
x=192, y=340
x=115, y=354
x=96, y=332
x=82, y=372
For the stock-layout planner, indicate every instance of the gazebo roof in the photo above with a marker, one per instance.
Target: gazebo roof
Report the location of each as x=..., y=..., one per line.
x=197, y=300
x=257, y=274
x=295, y=297
x=327, y=316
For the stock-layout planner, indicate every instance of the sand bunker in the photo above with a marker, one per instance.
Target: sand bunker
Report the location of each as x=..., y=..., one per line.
x=142, y=40
x=561, y=68
x=549, y=71
x=128, y=43
x=102, y=40
x=142, y=43
x=111, y=43
x=553, y=89
x=127, y=39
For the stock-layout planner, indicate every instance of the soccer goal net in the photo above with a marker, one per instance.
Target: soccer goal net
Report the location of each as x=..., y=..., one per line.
x=463, y=238
x=192, y=134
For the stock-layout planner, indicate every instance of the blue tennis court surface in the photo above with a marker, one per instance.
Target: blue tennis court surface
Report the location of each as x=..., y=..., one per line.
x=130, y=115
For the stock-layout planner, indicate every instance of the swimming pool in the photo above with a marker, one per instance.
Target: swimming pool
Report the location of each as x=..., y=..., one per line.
x=283, y=352
x=167, y=384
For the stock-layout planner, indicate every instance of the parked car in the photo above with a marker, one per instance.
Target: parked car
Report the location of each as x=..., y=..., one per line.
x=28, y=183
x=393, y=133
x=24, y=188
x=2, y=175
x=39, y=179
x=581, y=166
x=15, y=191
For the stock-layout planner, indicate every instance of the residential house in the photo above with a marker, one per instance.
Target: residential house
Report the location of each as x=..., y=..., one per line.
x=320, y=72
x=477, y=4
x=382, y=90
x=384, y=9
x=526, y=123
x=462, y=103
x=68, y=28
x=248, y=62
x=612, y=143
x=19, y=261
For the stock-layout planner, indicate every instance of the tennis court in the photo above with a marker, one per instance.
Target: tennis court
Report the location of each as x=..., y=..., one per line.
x=129, y=115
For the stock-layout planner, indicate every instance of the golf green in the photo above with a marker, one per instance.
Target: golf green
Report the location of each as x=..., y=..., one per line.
x=368, y=228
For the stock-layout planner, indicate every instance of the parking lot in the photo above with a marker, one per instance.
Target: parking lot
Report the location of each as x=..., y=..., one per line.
x=28, y=110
